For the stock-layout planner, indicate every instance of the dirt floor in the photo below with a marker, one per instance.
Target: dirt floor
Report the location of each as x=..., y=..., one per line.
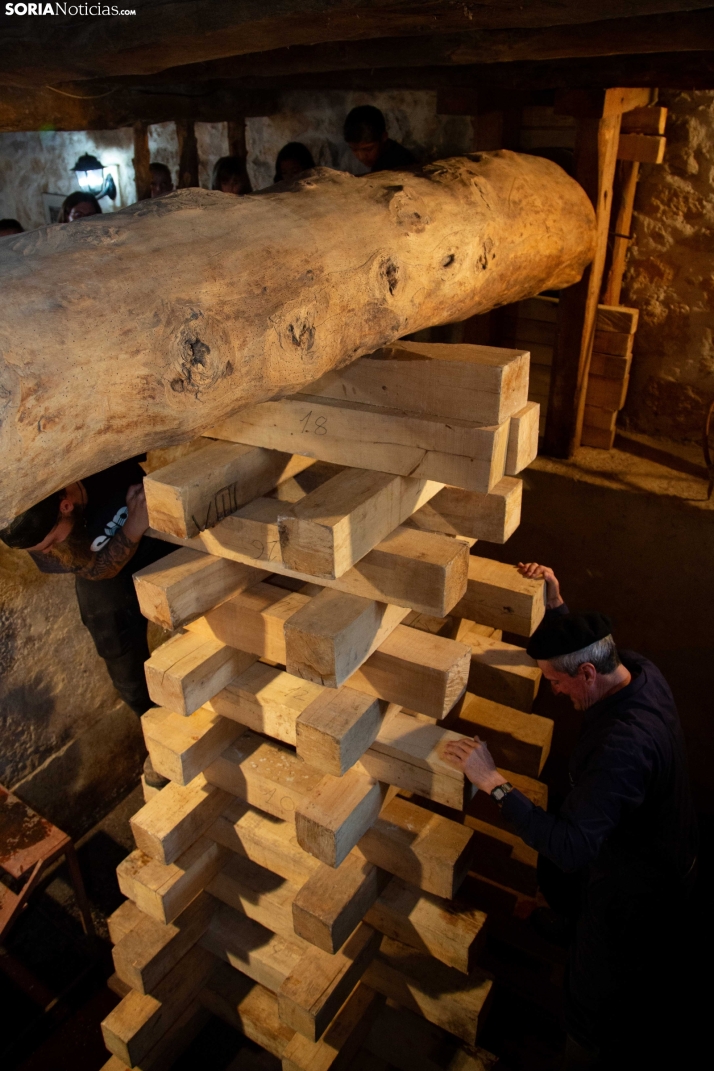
x=628, y=532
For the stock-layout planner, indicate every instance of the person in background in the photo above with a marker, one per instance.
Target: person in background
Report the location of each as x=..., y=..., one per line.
x=230, y=176
x=10, y=226
x=77, y=206
x=366, y=134
x=160, y=179
x=292, y=160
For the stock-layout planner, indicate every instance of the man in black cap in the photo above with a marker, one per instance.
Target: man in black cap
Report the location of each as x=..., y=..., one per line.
x=95, y=529
x=626, y=830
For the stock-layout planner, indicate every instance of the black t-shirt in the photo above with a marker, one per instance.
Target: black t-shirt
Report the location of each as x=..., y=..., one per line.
x=394, y=157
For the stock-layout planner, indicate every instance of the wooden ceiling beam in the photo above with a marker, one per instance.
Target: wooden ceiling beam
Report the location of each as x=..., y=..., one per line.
x=671, y=32
x=171, y=33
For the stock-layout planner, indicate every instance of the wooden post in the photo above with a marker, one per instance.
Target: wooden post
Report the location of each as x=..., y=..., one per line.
x=188, y=154
x=142, y=175
x=237, y=147
x=626, y=185
x=599, y=118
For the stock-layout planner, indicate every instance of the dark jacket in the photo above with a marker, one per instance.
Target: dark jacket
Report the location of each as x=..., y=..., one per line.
x=394, y=157
x=631, y=804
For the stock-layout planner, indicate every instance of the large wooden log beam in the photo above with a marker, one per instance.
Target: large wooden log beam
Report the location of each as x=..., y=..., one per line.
x=149, y=326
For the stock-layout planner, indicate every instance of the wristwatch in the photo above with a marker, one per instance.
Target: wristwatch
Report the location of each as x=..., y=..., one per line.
x=500, y=792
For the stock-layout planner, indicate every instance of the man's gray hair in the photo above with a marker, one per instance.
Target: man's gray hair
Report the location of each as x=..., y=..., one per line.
x=602, y=654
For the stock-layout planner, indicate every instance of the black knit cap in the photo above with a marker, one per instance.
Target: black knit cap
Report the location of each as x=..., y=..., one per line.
x=569, y=633
x=30, y=528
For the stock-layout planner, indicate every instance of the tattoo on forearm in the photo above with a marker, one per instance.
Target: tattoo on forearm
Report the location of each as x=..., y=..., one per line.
x=110, y=559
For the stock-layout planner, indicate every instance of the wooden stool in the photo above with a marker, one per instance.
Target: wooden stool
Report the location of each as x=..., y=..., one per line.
x=28, y=845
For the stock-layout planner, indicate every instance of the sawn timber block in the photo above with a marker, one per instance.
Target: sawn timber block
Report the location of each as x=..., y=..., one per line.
x=338, y=811
x=258, y=893
x=202, y=488
x=180, y=747
x=456, y=452
x=265, y=840
x=522, y=438
x=502, y=672
x=455, y=512
x=165, y=890
x=248, y=1007
x=333, y=527
x=337, y=1046
x=189, y=669
x=264, y=956
x=517, y=741
x=454, y=381
x=497, y=595
x=172, y=820
x=334, y=900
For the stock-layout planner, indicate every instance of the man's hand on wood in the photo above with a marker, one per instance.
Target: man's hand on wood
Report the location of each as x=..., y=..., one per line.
x=476, y=761
x=534, y=571
x=138, y=520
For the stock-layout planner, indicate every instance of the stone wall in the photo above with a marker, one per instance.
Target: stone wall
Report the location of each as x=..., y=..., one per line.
x=670, y=276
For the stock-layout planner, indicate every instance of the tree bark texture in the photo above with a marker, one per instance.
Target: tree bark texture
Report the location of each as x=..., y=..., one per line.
x=142, y=329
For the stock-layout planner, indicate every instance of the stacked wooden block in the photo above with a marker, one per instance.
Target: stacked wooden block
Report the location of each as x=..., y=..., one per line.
x=532, y=324
x=331, y=634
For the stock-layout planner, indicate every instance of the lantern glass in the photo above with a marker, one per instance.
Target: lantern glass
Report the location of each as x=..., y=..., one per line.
x=90, y=181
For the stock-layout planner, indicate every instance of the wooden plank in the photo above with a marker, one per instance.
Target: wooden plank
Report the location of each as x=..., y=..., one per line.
x=415, y=670
x=615, y=343
x=258, y=893
x=269, y=701
x=647, y=120
x=607, y=393
x=421, y=571
x=265, y=840
x=248, y=1007
x=502, y=672
x=139, y=1021
x=422, y=984
x=419, y=847
x=264, y=956
x=187, y=583
x=264, y=774
x=335, y=729
x=329, y=530
x=337, y=812
x=334, y=900
x=503, y=857
x=604, y=364
x=455, y=381
x=459, y=453
x=334, y=633
x=338, y=1045
x=181, y=748
x=189, y=669
x=202, y=488
x=252, y=621
x=123, y=920
x=164, y=891
x=450, y=931
x=170, y=822
x=318, y=985
x=499, y=596
x=644, y=148
x=539, y=308
x=163, y=1055
x=599, y=438
x=517, y=741
x=493, y=517
x=601, y=419
x=145, y=955
x=522, y=438
x=407, y=753
x=617, y=318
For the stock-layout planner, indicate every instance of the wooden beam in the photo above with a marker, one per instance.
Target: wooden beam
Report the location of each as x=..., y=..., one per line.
x=188, y=154
x=264, y=956
x=164, y=891
x=320, y=983
x=337, y=812
x=190, y=668
x=336, y=728
x=141, y=161
x=180, y=747
x=502, y=857
x=247, y=1007
x=257, y=893
x=642, y=148
x=502, y=672
x=522, y=438
x=450, y=931
x=145, y=955
x=264, y=840
x=627, y=174
x=422, y=984
x=334, y=900
x=170, y=822
x=343, y=1037
x=122, y=921
x=482, y=384
x=493, y=516
x=328, y=531
x=199, y=490
x=497, y=595
x=517, y=741
x=269, y=701
x=598, y=133
x=207, y=361
x=461, y=454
